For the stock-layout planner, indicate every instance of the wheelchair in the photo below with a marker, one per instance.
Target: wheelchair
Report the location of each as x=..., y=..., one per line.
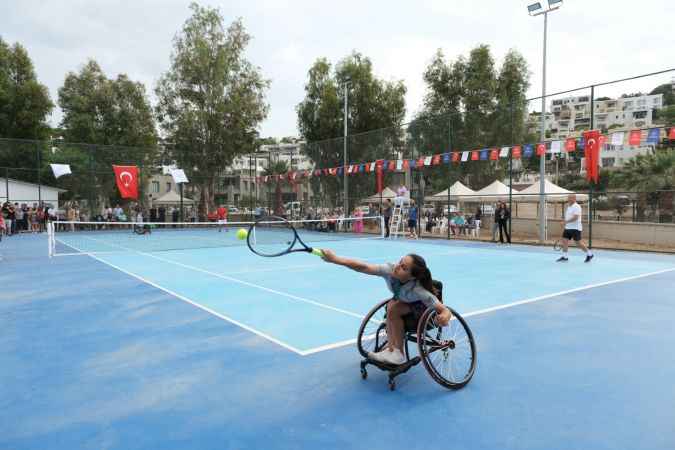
x=448, y=353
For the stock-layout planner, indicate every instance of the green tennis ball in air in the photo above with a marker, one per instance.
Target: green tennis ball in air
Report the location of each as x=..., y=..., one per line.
x=242, y=234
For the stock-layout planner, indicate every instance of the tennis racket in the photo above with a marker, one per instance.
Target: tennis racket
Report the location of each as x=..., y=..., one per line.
x=276, y=236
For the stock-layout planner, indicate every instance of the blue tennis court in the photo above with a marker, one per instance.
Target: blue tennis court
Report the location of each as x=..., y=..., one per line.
x=215, y=347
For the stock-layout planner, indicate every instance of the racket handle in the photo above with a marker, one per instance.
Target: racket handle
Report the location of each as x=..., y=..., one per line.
x=317, y=252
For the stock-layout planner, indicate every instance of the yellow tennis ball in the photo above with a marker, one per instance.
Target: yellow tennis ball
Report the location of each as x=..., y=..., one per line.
x=242, y=234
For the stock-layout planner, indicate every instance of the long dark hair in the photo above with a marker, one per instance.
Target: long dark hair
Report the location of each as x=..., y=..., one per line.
x=421, y=273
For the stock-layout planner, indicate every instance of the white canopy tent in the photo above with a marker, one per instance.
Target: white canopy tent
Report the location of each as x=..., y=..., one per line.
x=455, y=192
x=554, y=193
x=172, y=198
x=493, y=192
x=386, y=193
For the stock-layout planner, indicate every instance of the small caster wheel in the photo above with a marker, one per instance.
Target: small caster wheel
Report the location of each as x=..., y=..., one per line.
x=392, y=385
x=364, y=374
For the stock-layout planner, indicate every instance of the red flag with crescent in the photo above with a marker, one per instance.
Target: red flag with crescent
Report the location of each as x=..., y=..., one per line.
x=127, y=181
x=592, y=154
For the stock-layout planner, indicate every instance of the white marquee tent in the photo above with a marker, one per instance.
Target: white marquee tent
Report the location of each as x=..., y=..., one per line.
x=554, y=193
x=456, y=192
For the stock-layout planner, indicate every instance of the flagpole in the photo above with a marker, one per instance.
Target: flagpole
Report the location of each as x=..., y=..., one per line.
x=590, y=191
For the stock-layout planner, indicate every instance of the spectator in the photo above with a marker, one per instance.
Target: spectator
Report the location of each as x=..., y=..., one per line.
x=495, y=223
x=412, y=220
x=502, y=216
x=401, y=195
x=387, y=216
x=477, y=220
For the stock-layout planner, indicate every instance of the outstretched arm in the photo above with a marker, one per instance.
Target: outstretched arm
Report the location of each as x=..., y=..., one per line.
x=354, y=264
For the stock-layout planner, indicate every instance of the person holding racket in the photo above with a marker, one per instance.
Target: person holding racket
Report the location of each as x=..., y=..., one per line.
x=411, y=283
x=409, y=280
x=573, y=229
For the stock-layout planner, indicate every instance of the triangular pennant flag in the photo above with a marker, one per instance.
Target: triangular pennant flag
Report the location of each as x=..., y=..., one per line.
x=427, y=161
x=671, y=133
x=570, y=144
x=494, y=154
x=653, y=136
x=406, y=164
x=413, y=163
x=60, y=169
x=474, y=155
x=436, y=160
x=372, y=166
x=392, y=165
x=455, y=157
x=541, y=149
x=446, y=158
x=504, y=152
x=528, y=151
x=634, y=137
x=516, y=151
x=555, y=147
x=465, y=156
x=617, y=138
x=399, y=165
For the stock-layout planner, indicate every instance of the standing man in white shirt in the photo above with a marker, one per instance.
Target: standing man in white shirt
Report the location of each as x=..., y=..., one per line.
x=573, y=229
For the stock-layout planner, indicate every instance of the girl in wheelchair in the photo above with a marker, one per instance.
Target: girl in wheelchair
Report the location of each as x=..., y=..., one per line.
x=410, y=282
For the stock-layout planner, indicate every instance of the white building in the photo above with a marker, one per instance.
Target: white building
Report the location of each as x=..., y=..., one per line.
x=21, y=192
x=571, y=115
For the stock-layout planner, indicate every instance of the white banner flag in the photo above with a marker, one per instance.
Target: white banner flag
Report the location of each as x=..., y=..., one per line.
x=60, y=169
x=617, y=138
x=399, y=164
x=427, y=161
x=555, y=147
x=504, y=152
x=179, y=176
x=372, y=167
x=465, y=156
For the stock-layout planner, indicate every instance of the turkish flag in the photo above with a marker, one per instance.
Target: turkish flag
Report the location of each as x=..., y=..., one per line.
x=570, y=145
x=592, y=150
x=541, y=149
x=127, y=181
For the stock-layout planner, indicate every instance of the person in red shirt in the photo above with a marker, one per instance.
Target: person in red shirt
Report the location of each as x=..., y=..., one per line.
x=222, y=217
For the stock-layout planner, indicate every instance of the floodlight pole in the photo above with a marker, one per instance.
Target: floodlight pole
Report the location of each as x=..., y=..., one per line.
x=542, y=158
x=344, y=155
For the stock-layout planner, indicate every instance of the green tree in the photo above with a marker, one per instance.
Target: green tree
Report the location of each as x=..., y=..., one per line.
x=24, y=102
x=211, y=100
x=114, y=121
x=668, y=94
x=376, y=112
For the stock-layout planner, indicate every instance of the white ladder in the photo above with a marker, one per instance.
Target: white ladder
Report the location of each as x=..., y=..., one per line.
x=397, y=225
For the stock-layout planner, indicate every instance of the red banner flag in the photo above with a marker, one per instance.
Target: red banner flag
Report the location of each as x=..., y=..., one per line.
x=570, y=145
x=378, y=175
x=392, y=165
x=541, y=149
x=420, y=162
x=437, y=158
x=455, y=157
x=671, y=133
x=127, y=181
x=634, y=137
x=592, y=151
x=494, y=154
x=474, y=155
x=515, y=151
x=406, y=164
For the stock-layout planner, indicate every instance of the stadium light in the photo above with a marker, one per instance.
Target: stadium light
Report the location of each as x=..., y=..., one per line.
x=535, y=9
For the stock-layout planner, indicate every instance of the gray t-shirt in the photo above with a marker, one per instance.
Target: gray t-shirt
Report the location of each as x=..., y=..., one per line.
x=409, y=292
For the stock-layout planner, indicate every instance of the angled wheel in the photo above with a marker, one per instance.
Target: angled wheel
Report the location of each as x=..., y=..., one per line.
x=372, y=335
x=449, y=352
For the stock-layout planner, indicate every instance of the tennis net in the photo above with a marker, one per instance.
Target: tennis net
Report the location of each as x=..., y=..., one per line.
x=72, y=238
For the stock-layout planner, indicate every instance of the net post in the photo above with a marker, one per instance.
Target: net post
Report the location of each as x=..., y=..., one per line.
x=50, y=238
x=382, y=230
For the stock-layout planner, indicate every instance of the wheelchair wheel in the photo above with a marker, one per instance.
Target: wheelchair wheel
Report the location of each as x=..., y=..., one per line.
x=449, y=352
x=373, y=332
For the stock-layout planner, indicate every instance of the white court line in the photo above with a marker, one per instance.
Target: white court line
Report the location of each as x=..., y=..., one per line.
x=193, y=303
x=508, y=305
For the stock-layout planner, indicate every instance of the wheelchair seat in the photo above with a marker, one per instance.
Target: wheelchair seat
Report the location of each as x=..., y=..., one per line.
x=411, y=319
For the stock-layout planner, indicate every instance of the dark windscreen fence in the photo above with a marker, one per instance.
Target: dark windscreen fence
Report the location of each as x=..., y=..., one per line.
x=457, y=165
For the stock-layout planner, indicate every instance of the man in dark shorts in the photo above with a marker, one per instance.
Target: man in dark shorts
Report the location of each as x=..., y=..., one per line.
x=573, y=229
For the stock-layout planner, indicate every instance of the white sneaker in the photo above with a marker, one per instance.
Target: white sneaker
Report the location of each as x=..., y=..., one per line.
x=378, y=356
x=395, y=358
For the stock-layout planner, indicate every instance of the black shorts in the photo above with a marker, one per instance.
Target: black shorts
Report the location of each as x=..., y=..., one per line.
x=574, y=235
x=412, y=223
x=411, y=319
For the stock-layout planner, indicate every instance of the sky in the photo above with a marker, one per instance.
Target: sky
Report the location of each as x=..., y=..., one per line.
x=589, y=41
